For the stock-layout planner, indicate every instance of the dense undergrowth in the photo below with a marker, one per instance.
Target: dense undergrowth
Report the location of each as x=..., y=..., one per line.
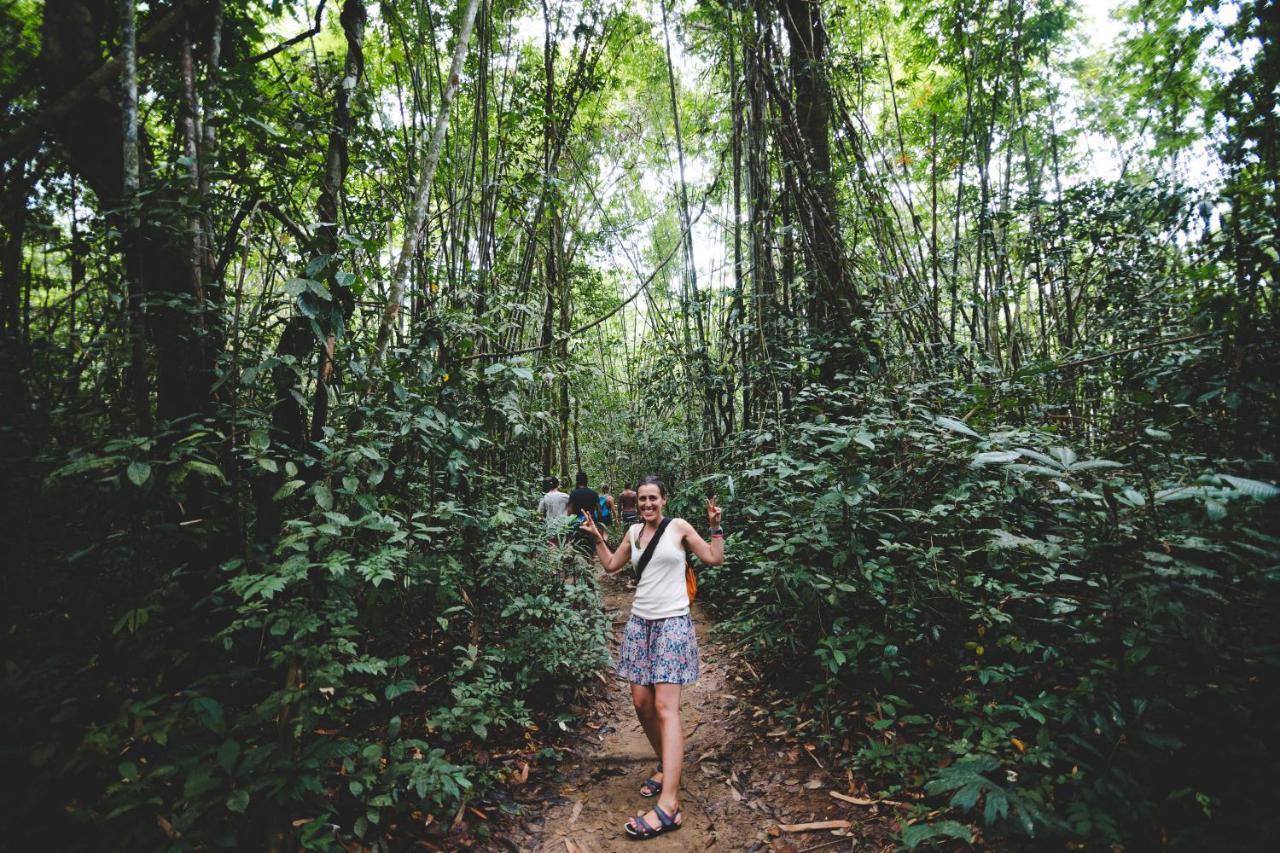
x=1063, y=643
x=345, y=682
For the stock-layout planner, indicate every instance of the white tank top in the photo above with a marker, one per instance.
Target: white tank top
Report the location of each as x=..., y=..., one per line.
x=661, y=592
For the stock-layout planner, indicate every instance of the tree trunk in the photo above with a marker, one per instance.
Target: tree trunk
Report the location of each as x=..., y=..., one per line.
x=337, y=160
x=73, y=36
x=837, y=306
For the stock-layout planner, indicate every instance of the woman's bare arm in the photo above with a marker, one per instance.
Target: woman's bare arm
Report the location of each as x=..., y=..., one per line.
x=612, y=561
x=711, y=553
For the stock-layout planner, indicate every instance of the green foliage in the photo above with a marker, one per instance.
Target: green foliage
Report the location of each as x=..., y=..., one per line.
x=1052, y=641
x=338, y=676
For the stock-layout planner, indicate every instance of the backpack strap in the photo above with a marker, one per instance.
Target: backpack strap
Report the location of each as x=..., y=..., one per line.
x=651, y=547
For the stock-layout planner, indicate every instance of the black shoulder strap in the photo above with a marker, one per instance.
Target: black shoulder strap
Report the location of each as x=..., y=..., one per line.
x=648, y=549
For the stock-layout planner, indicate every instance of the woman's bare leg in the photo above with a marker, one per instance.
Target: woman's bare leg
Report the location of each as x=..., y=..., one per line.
x=667, y=706
x=643, y=697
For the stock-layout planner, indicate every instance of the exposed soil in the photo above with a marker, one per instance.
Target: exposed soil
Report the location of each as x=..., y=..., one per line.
x=741, y=779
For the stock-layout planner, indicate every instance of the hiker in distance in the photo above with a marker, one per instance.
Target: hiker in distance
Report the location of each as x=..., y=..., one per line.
x=552, y=506
x=627, y=506
x=584, y=504
x=659, y=649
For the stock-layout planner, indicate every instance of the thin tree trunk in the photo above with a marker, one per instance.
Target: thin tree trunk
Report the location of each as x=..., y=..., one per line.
x=132, y=231
x=413, y=228
x=337, y=160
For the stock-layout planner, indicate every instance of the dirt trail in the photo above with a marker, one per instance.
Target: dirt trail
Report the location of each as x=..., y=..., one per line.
x=740, y=780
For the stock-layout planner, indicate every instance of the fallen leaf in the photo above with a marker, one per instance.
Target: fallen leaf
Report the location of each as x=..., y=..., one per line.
x=1022, y=747
x=577, y=810
x=168, y=828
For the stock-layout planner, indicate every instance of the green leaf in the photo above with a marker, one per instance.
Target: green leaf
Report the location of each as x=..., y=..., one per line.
x=991, y=456
x=138, y=473
x=1253, y=488
x=1065, y=455
x=324, y=497
x=400, y=688
x=1092, y=464
x=238, y=801
x=956, y=426
x=287, y=489
x=132, y=620
x=206, y=468
x=227, y=755
x=210, y=713
x=913, y=836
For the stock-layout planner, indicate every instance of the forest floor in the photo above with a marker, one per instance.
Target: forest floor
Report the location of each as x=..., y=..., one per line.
x=742, y=780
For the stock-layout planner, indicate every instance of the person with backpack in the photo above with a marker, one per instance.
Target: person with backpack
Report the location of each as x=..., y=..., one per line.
x=584, y=504
x=659, y=648
x=605, y=507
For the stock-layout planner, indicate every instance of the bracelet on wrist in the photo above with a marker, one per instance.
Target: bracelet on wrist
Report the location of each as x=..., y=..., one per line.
x=716, y=531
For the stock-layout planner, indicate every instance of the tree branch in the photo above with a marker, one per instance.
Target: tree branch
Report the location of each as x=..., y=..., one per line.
x=292, y=227
x=34, y=126
x=285, y=45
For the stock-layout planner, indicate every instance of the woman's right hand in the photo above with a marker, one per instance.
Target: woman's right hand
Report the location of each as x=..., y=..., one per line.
x=589, y=525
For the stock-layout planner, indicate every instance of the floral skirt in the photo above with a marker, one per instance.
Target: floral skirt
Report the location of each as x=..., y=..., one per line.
x=659, y=651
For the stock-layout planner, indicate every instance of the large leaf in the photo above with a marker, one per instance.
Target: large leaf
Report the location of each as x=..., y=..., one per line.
x=916, y=834
x=956, y=426
x=992, y=456
x=1253, y=488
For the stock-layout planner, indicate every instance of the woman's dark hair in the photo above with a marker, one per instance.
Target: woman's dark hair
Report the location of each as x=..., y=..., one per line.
x=549, y=484
x=653, y=480
x=582, y=479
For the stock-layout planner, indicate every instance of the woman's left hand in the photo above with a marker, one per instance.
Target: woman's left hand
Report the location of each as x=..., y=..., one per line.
x=713, y=512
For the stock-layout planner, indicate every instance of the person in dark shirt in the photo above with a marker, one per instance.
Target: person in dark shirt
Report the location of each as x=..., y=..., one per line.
x=583, y=501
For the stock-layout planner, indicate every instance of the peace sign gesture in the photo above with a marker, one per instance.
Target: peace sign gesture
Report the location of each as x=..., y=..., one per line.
x=589, y=525
x=713, y=512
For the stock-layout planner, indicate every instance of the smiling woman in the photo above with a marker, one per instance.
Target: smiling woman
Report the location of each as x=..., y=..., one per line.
x=659, y=647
